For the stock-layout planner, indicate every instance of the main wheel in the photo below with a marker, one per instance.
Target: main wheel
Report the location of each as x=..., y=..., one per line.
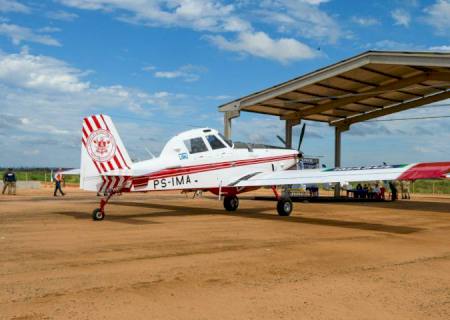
x=230, y=203
x=98, y=214
x=284, y=207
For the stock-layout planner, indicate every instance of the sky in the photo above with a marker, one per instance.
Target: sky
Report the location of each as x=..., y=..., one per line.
x=161, y=67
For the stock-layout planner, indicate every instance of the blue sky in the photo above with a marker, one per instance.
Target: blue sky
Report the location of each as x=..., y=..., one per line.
x=161, y=67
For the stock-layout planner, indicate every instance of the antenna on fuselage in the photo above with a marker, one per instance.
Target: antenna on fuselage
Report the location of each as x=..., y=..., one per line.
x=149, y=152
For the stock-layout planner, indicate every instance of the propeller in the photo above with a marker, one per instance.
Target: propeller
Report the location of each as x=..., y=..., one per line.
x=300, y=141
x=282, y=141
x=302, y=134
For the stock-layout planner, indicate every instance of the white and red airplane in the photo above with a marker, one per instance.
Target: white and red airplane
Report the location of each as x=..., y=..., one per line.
x=202, y=159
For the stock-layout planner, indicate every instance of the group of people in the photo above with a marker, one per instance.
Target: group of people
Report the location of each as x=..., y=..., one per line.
x=369, y=191
x=9, y=182
x=378, y=191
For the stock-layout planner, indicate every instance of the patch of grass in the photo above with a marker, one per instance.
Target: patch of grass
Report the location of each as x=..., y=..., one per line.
x=43, y=175
x=431, y=186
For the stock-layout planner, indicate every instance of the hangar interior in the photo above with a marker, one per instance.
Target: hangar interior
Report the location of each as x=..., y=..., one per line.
x=361, y=88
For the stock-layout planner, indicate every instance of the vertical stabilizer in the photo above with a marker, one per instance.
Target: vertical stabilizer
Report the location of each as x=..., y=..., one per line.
x=102, y=151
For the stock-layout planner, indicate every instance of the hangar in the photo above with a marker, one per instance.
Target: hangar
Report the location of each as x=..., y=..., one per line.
x=363, y=87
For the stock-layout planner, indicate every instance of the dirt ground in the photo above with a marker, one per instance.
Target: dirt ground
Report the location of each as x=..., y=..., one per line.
x=163, y=256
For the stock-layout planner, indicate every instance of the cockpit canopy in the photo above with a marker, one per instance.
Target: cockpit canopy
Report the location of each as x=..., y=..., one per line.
x=196, y=141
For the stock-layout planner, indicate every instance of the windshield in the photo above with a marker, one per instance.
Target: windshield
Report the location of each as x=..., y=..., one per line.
x=195, y=145
x=214, y=142
x=227, y=141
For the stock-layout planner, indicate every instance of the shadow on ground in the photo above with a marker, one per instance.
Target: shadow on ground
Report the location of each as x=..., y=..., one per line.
x=257, y=213
x=434, y=206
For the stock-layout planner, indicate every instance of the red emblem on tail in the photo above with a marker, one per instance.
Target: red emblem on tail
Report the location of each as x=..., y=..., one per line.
x=101, y=145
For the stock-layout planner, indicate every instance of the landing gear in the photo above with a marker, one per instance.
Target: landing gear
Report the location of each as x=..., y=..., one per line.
x=284, y=203
x=230, y=203
x=98, y=214
x=284, y=207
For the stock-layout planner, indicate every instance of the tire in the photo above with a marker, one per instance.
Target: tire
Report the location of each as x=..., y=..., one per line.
x=284, y=207
x=231, y=203
x=98, y=215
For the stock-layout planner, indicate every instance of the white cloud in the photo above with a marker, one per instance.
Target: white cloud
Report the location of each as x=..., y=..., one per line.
x=13, y=6
x=401, y=17
x=188, y=73
x=39, y=73
x=315, y=2
x=44, y=100
x=149, y=68
x=299, y=17
x=43, y=81
x=49, y=30
x=62, y=15
x=261, y=45
x=440, y=48
x=196, y=14
x=393, y=45
x=18, y=34
x=437, y=15
x=365, y=21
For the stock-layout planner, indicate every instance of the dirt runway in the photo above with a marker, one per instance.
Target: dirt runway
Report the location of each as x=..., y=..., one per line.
x=162, y=256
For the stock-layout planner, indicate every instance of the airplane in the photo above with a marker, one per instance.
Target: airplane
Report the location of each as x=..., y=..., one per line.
x=203, y=159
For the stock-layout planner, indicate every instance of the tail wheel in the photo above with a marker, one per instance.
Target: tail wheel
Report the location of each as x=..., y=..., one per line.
x=231, y=203
x=284, y=207
x=98, y=214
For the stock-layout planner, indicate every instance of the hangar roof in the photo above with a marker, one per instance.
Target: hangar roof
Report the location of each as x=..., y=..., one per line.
x=366, y=86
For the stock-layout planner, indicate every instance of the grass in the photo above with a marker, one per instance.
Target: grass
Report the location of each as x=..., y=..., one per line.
x=431, y=186
x=43, y=175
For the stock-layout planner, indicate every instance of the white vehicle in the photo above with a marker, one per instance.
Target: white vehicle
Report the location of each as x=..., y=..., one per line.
x=202, y=159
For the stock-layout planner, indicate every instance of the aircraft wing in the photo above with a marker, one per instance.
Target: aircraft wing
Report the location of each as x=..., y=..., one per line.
x=430, y=170
x=71, y=172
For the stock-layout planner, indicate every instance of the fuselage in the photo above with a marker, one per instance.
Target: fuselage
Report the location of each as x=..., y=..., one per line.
x=203, y=159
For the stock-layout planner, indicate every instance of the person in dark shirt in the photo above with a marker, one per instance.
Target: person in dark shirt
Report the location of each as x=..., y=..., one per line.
x=58, y=180
x=393, y=191
x=9, y=182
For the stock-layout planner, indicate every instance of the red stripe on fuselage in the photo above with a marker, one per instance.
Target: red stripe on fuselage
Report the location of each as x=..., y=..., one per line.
x=207, y=167
x=116, y=182
x=109, y=183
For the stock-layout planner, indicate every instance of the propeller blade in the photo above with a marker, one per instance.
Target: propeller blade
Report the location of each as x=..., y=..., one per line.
x=282, y=141
x=302, y=134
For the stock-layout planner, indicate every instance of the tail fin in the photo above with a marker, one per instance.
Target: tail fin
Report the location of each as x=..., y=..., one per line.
x=102, y=151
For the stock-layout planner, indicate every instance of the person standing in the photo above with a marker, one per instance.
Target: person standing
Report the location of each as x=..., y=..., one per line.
x=58, y=180
x=393, y=188
x=9, y=182
x=405, y=190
